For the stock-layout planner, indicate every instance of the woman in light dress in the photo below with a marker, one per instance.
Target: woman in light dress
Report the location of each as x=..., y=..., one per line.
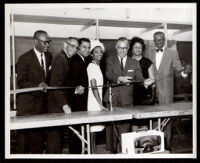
x=95, y=79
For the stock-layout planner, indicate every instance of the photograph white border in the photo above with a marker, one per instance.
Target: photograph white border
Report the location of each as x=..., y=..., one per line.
x=10, y=8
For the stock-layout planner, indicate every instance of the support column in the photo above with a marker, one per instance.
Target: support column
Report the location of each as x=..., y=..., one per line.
x=88, y=139
x=97, y=29
x=13, y=58
x=166, y=34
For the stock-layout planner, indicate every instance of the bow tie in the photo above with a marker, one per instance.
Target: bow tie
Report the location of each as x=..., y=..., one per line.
x=157, y=50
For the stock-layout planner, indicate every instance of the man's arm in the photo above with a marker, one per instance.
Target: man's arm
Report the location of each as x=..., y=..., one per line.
x=114, y=77
x=183, y=71
x=75, y=77
x=176, y=61
x=57, y=79
x=23, y=74
x=110, y=74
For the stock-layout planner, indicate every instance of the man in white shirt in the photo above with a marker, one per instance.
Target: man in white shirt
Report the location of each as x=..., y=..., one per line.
x=33, y=71
x=121, y=68
x=166, y=63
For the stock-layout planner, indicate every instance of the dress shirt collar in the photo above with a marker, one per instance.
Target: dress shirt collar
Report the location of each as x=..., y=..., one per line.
x=124, y=58
x=81, y=57
x=37, y=53
x=66, y=53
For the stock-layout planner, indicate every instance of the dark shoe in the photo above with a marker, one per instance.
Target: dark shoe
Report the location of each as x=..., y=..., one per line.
x=115, y=152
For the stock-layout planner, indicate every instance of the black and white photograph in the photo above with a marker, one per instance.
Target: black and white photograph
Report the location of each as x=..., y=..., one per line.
x=100, y=80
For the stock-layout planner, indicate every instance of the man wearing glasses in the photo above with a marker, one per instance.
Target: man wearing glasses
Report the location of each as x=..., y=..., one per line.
x=33, y=71
x=78, y=78
x=58, y=99
x=121, y=68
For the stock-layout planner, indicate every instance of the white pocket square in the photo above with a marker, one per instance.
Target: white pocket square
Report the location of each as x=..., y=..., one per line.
x=49, y=67
x=130, y=70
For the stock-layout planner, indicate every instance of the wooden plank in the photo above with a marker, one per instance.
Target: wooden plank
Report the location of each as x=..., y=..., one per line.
x=89, y=24
x=182, y=31
x=60, y=119
x=170, y=110
x=102, y=22
x=118, y=114
x=128, y=24
x=50, y=19
x=180, y=26
x=152, y=28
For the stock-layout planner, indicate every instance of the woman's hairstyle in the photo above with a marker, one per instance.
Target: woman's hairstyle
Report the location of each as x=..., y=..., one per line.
x=136, y=40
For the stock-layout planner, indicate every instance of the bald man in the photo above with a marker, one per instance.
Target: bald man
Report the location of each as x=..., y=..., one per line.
x=121, y=68
x=58, y=99
x=33, y=71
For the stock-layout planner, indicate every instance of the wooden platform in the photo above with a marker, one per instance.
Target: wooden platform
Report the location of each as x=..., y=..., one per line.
x=118, y=114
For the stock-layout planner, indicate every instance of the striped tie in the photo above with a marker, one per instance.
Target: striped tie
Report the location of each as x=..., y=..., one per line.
x=122, y=64
x=42, y=64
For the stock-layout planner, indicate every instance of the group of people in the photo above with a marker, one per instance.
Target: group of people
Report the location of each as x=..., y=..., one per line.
x=77, y=66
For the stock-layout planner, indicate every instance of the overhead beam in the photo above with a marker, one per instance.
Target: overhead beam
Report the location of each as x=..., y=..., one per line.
x=13, y=58
x=166, y=34
x=152, y=28
x=182, y=31
x=50, y=20
x=89, y=24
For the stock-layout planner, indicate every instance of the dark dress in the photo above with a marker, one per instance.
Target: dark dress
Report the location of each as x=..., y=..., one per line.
x=141, y=94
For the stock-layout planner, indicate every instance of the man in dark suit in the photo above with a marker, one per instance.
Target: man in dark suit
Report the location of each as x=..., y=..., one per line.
x=58, y=99
x=78, y=78
x=121, y=68
x=33, y=71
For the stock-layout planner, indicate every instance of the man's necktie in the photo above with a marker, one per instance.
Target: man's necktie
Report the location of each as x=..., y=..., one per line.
x=122, y=64
x=42, y=63
x=157, y=50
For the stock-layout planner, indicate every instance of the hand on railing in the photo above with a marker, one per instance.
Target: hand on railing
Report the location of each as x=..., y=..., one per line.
x=67, y=109
x=79, y=90
x=44, y=86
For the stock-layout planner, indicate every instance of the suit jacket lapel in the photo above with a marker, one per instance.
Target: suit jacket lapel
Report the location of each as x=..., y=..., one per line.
x=117, y=63
x=65, y=55
x=35, y=60
x=127, y=63
x=81, y=60
x=154, y=58
x=48, y=63
x=163, y=59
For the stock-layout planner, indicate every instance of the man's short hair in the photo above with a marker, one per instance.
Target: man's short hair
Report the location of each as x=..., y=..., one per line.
x=37, y=33
x=123, y=39
x=159, y=33
x=83, y=40
x=70, y=38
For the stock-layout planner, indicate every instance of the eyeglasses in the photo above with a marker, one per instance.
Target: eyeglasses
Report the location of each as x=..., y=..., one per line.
x=73, y=46
x=45, y=42
x=120, y=48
